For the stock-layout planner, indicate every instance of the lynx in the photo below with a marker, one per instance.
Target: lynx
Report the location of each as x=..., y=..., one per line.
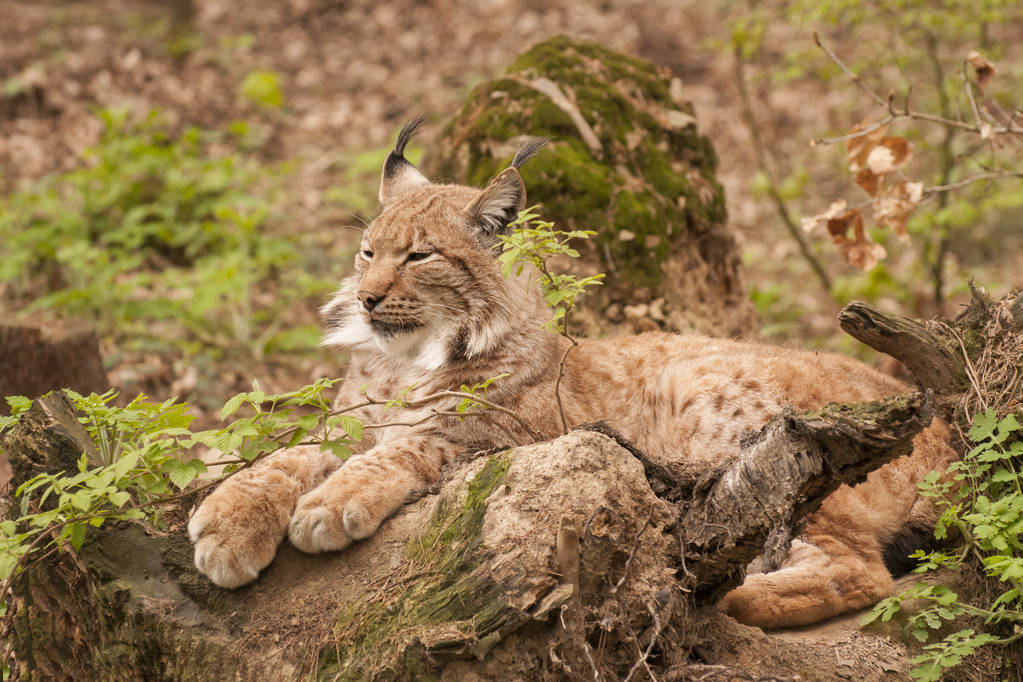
x=428, y=307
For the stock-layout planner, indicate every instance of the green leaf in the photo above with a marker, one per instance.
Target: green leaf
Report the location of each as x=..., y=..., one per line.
x=81, y=500
x=352, y=426
x=232, y=405
x=263, y=88
x=119, y=499
x=1003, y=476
x=983, y=426
x=338, y=447
x=179, y=473
x=76, y=535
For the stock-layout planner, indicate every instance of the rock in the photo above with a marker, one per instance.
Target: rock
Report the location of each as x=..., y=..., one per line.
x=626, y=161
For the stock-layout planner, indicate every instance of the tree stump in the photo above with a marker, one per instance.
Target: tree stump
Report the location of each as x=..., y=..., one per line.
x=627, y=161
x=35, y=360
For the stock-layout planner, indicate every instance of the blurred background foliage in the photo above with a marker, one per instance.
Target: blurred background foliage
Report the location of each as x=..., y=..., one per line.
x=192, y=179
x=915, y=53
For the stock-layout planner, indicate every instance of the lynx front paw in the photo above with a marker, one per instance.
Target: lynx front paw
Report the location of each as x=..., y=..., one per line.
x=227, y=557
x=347, y=507
x=319, y=525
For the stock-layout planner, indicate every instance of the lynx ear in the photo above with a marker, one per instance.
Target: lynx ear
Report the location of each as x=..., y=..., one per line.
x=399, y=174
x=499, y=203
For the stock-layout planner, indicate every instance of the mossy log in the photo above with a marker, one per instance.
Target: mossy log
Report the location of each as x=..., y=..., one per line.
x=506, y=573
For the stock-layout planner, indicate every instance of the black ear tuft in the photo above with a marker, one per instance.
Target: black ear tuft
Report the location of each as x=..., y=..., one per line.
x=397, y=157
x=529, y=150
x=498, y=204
x=399, y=174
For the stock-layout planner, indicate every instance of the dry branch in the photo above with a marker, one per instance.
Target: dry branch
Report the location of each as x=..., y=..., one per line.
x=929, y=353
x=783, y=474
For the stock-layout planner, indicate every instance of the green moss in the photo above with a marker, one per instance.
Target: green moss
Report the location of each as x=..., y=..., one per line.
x=381, y=637
x=647, y=177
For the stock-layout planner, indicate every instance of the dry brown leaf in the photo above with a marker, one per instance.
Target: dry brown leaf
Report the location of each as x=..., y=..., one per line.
x=881, y=160
x=982, y=67
x=893, y=207
x=858, y=148
x=858, y=250
x=835, y=211
x=889, y=155
x=901, y=149
x=838, y=225
x=869, y=182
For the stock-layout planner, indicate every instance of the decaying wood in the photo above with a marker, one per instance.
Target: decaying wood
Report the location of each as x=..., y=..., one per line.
x=1017, y=312
x=47, y=439
x=931, y=354
x=783, y=474
x=539, y=549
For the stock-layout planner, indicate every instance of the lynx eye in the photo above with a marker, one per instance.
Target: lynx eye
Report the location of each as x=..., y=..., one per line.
x=419, y=255
x=367, y=254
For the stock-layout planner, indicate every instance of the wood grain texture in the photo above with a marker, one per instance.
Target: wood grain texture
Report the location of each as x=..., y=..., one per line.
x=931, y=355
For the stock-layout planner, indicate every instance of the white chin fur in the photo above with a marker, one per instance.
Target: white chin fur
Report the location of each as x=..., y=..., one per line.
x=426, y=348
x=355, y=333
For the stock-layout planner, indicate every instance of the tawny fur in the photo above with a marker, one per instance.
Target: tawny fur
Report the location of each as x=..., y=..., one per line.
x=429, y=307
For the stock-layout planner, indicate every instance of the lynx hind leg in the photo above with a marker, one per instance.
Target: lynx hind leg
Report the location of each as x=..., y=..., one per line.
x=810, y=586
x=236, y=530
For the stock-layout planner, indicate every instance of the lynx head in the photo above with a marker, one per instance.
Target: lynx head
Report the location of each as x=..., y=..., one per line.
x=426, y=287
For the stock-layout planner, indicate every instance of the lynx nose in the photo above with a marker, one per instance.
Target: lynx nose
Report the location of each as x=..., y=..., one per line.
x=370, y=300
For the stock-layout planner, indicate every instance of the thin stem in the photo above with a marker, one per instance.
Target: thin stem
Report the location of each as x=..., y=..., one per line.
x=906, y=112
x=557, y=382
x=772, y=185
x=970, y=180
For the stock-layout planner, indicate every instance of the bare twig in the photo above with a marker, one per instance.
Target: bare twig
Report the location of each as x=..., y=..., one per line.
x=653, y=640
x=632, y=554
x=856, y=79
x=971, y=371
x=852, y=136
x=589, y=659
x=557, y=383
x=970, y=180
x=906, y=112
x=772, y=185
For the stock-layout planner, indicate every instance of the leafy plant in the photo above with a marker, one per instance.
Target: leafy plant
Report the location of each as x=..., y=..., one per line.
x=159, y=241
x=533, y=241
x=982, y=501
x=263, y=88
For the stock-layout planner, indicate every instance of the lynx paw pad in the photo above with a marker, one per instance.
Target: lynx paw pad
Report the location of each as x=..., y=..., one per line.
x=224, y=558
x=317, y=528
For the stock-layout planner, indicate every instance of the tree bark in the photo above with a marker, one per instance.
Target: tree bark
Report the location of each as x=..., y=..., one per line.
x=783, y=475
x=47, y=439
x=928, y=350
x=34, y=360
